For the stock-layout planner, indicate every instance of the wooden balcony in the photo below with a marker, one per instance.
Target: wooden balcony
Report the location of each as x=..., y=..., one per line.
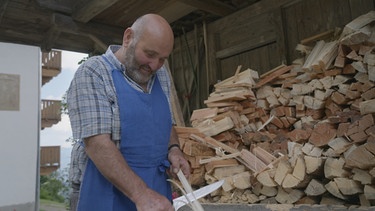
x=51, y=65
x=49, y=159
x=51, y=113
x=51, y=109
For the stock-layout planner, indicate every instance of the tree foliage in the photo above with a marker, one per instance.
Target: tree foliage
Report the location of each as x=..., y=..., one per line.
x=54, y=187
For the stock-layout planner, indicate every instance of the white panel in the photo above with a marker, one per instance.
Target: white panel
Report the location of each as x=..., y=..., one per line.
x=20, y=129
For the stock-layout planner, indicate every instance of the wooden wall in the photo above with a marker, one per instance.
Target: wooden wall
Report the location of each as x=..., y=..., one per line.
x=261, y=37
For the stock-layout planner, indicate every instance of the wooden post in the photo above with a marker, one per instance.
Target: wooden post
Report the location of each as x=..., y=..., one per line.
x=175, y=103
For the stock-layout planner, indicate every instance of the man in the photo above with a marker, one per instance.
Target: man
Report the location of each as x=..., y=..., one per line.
x=77, y=166
x=119, y=105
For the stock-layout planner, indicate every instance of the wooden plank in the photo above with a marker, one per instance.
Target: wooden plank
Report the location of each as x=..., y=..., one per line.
x=209, y=6
x=255, y=164
x=228, y=97
x=244, y=78
x=273, y=74
x=219, y=158
x=174, y=10
x=220, y=163
x=204, y=113
x=211, y=128
x=247, y=45
x=313, y=55
x=263, y=155
x=186, y=130
x=317, y=37
x=357, y=7
x=193, y=148
x=84, y=11
x=175, y=103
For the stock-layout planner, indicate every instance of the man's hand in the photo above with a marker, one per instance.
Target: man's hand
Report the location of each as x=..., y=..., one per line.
x=178, y=161
x=151, y=200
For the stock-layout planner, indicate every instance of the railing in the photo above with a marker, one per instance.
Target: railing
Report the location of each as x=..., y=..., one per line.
x=51, y=65
x=51, y=60
x=49, y=159
x=51, y=112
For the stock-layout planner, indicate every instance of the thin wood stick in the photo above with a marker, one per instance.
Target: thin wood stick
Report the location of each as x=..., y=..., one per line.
x=233, y=155
x=235, y=78
x=266, y=123
x=196, y=206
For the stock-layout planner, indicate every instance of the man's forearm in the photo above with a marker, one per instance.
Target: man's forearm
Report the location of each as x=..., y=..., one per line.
x=109, y=161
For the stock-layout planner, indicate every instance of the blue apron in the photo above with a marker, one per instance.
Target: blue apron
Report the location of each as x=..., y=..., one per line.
x=145, y=133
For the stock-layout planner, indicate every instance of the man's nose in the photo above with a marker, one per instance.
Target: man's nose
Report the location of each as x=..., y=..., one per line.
x=156, y=64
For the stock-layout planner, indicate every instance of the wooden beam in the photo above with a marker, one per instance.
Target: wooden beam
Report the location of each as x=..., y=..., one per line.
x=57, y=6
x=100, y=44
x=210, y=6
x=68, y=25
x=85, y=10
x=3, y=8
x=175, y=103
x=51, y=36
x=175, y=10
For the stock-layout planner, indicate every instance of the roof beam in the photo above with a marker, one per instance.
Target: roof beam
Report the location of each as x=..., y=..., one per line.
x=60, y=6
x=175, y=10
x=2, y=9
x=86, y=10
x=210, y=6
x=50, y=37
x=67, y=24
x=102, y=38
x=99, y=44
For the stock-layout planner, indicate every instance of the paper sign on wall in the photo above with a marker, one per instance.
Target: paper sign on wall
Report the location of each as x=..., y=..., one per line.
x=9, y=92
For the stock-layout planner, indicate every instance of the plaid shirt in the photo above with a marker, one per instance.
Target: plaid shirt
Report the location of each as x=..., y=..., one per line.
x=92, y=104
x=92, y=101
x=77, y=165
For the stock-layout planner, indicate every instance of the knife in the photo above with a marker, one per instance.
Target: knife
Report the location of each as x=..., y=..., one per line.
x=197, y=194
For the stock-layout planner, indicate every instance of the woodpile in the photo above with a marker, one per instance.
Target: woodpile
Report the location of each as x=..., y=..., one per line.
x=299, y=134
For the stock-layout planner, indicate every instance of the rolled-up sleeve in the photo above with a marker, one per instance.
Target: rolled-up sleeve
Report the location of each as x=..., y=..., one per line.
x=90, y=106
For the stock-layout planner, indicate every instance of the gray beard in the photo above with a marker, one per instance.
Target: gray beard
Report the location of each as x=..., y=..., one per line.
x=132, y=67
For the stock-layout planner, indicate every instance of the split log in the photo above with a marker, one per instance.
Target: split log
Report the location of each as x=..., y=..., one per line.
x=315, y=188
x=360, y=157
x=334, y=167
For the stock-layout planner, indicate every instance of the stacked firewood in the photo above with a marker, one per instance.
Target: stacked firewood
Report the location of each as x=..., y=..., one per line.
x=299, y=134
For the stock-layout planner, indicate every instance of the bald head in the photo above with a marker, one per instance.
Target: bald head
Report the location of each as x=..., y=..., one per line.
x=146, y=45
x=154, y=25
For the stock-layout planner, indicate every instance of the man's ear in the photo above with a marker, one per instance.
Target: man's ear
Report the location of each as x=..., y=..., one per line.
x=128, y=36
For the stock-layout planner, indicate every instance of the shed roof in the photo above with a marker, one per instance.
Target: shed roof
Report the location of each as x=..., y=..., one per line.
x=88, y=26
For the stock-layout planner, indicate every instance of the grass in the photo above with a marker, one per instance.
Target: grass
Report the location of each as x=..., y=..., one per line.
x=47, y=203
